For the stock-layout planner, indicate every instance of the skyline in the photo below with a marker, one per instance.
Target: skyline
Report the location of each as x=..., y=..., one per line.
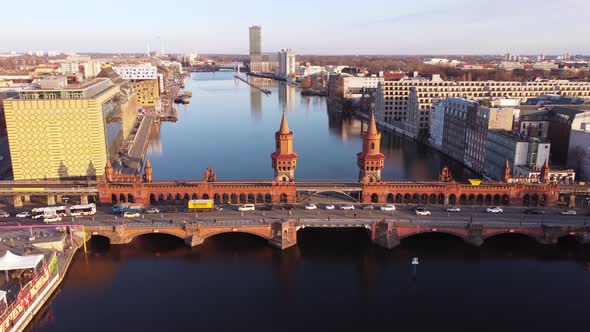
x=455, y=27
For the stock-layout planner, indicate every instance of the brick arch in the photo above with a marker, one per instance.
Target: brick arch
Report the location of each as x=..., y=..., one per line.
x=536, y=237
x=426, y=231
x=266, y=234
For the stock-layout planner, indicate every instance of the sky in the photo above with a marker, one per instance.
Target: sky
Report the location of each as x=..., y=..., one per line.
x=306, y=26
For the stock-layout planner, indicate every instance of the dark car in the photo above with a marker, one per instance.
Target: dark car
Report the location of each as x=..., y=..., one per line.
x=288, y=207
x=267, y=207
x=368, y=207
x=534, y=211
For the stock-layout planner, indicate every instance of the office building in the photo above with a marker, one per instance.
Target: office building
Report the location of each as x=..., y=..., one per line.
x=145, y=82
x=287, y=64
x=405, y=103
x=255, y=42
x=63, y=132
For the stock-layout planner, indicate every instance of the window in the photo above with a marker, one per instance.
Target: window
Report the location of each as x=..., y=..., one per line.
x=372, y=146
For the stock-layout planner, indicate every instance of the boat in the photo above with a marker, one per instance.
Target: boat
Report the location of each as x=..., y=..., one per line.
x=188, y=93
x=178, y=100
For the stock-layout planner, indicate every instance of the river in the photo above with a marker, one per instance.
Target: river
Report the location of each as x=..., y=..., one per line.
x=333, y=279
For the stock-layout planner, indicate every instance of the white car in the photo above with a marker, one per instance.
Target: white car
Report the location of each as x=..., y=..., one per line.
x=453, y=209
x=129, y=214
x=329, y=207
x=421, y=211
x=495, y=209
x=247, y=207
x=311, y=207
x=568, y=212
x=4, y=214
x=152, y=210
x=388, y=207
x=53, y=218
x=347, y=207
x=24, y=214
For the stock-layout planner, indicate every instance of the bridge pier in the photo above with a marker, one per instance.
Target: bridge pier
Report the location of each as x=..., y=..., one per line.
x=17, y=201
x=193, y=240
x=50, y=200
x=474, y=234
x=384, y=234
x=284, y=234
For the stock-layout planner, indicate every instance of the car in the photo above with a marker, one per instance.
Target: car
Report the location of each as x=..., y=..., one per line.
x=24, y=214
x=246, y=207
x=568, y=212
x=368, y=207
x=51, y=218
x=534, y=211
x=4, y=214
x=495, y=209
x=218, y=208
x=311, y=207
x=346, y=207
x=453, y=209
x=130, y=214
x=329, y=207
x=288, y=207
x=388, y=207
x=267, y=207
x=421, y=211
x=152, y=210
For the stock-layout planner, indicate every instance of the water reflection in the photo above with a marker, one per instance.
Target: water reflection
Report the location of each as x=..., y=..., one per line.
x=218, y=130
x=329, y=271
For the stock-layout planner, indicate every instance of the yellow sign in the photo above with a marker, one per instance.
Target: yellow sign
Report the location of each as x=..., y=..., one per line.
x=200, y=204
x=475, y=182
x=28, y=189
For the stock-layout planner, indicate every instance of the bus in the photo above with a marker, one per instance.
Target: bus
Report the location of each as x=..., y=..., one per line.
x=42, y=212
x=202, y=205
x=83, y=210
x=127, y=207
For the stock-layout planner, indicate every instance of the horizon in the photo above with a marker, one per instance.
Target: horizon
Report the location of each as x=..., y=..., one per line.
x=430, y=27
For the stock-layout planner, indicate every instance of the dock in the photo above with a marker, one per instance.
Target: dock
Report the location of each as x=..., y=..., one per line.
x=265, y=91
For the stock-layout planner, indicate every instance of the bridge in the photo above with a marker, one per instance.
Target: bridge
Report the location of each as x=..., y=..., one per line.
x=384, y=233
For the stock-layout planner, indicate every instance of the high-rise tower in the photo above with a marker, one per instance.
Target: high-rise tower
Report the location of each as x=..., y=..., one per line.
x=371, y=160
x=284, y=160
x=255, y=41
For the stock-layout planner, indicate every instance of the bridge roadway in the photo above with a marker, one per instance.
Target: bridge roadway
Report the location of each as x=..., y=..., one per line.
x=280, y=226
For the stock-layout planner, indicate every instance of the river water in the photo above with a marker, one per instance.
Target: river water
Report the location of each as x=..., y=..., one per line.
x=333, y=279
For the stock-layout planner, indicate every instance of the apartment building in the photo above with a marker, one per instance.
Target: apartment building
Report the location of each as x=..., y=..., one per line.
x=406, y=103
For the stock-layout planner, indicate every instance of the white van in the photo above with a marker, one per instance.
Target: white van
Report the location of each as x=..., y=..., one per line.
x=247, y=207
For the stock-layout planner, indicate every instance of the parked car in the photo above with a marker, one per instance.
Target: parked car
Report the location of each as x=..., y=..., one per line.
x=388, y=207
x=453, y=209
x=52, y=218
x=368, y=207
x=129, y=214
x=4, y=214
x=346, y=207
x=534, y=211
x=495, y=209
x=421, y=211
x=152, y=210
x=329, y=207
x=569, y=212
x=267, y=207
x=24, y=214
x=311, y=207
x=246, y=207
x=288, y=207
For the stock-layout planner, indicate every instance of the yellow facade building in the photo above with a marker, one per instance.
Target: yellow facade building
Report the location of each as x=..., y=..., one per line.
x=59, y=133
x=148, y=92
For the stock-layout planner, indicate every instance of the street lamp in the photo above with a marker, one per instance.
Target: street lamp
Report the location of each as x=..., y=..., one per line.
x=415, y=263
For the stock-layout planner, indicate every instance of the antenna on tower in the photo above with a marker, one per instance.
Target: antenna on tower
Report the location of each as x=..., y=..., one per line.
x=148, y=48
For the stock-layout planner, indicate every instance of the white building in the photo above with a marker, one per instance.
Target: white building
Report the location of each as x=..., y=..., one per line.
x=137, y=72
x=287, y=63
x=92, y=68
x=69, y=68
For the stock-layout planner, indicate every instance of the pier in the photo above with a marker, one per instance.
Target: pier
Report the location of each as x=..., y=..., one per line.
x=265, y=91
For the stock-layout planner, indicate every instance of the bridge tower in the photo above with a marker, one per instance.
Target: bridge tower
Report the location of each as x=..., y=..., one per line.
x=507, y=175
x=147, y=176
x=371, y=160
x=108, y=171
x=284, y=160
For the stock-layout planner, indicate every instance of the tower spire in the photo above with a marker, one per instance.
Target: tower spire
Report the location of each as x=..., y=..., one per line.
x=284, y=125
x=506, y=177
x=544, y=178
x=372, y=130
